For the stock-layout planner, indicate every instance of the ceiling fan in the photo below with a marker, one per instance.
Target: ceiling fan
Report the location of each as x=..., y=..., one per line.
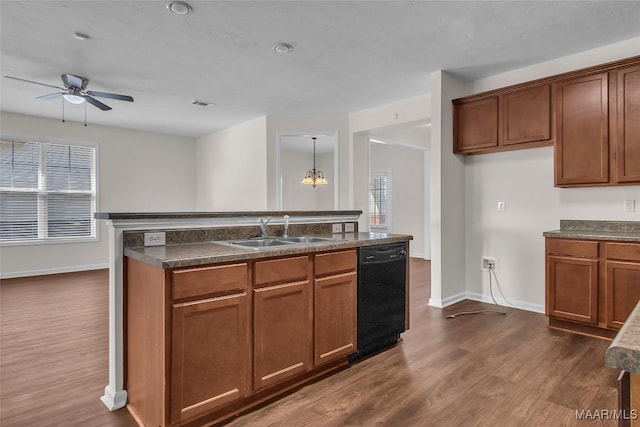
x=74, y=91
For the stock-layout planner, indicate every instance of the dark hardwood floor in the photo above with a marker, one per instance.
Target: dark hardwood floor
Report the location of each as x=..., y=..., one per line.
x=479, y=370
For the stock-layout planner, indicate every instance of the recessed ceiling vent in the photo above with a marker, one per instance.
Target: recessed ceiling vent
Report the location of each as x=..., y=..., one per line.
x=203, y=103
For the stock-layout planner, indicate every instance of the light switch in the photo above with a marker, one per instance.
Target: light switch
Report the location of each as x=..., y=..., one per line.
x=629, y=205
x=502, y=206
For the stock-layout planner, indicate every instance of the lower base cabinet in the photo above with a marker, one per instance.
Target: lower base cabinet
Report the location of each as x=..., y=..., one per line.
x=206, y=343
x=591, y=286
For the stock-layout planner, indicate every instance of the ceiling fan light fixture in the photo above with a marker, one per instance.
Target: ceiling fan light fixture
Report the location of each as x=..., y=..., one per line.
x=74, y=99
x=179, y=8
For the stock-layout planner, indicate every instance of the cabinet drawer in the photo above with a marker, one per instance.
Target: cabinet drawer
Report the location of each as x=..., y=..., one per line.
x=624, y=251
x=577, y=248
x=335, y=262
x=282, y=270
x=209, y=280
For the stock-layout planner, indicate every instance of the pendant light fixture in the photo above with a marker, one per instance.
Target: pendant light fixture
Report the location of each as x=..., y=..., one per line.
x=314, y=176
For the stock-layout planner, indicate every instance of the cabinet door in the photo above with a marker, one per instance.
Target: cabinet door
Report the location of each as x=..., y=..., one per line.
x=526, y=116
x=476, y=125
x=210, y=360
x=623, y=291
x=628, y=124
x=572, y=289
x=582, y=131
x=334, y=317
x=282, y=332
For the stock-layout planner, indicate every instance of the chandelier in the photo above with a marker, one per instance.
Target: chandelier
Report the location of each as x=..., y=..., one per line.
x=314, y=176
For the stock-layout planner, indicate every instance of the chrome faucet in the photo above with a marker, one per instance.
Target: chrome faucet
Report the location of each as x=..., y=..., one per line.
x=263, y=226
x=286, y=226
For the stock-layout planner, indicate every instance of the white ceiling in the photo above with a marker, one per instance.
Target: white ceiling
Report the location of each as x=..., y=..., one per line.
x=348, y=55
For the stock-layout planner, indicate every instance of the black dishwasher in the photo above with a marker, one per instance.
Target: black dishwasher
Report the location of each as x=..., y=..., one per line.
x=382, y=276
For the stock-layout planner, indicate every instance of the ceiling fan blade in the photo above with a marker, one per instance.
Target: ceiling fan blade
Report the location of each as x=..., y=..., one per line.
x=75, y=81
x=37, y=83
x=111, y=95
x=96, y=103
x=51, y=95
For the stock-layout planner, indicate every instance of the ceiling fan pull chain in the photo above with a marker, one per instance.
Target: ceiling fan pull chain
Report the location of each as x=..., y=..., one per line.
x=62, y=110
x=85, y=114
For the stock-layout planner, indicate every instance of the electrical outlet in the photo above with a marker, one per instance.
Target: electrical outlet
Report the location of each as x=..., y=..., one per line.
x=489, y=263
x=155, y=239
x=336, y=228
x=502, y=206
x=629, y=205
x=349, y=227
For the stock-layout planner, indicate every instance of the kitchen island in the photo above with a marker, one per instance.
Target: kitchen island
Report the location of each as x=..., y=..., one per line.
x=214, y=328
x=624, y=354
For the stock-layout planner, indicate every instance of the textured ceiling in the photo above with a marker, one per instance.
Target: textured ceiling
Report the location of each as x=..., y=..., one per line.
x=348, y=55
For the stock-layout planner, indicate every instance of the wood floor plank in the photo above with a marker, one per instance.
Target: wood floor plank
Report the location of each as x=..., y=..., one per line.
x=476, y=370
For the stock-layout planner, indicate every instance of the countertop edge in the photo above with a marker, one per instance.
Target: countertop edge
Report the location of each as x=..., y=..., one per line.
x=593, y=235
x=239, y=254
x=624, y=351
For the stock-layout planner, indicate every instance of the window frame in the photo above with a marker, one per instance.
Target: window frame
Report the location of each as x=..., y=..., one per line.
x=386, y=227
x=42, y=206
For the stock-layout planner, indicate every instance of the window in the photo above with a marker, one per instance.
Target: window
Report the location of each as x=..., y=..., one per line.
x=47, y=192
x=379, y=200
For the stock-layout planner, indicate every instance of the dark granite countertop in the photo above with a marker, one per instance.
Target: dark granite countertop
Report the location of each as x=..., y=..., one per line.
x=188, y=215
x=624, y=351
x=623, y=231
x=194, y=254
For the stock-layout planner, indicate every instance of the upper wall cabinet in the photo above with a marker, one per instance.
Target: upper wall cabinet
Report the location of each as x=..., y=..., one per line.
x=627, y=129
x=512, y=120
x=598, y=129
x=582, y=131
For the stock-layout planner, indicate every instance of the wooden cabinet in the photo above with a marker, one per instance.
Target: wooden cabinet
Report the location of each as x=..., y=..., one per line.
x=476, y=125
x=582, y=130
x=622, y=281
x=598, y=128
x=210, y=349
x=205, y=343
x=283, y=320
x=627, y=129
x=591, y=286
x=572, y=281
x=335, y=288
x=508, y=120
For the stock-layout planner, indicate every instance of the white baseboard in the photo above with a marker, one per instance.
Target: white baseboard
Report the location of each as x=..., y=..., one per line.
x=58, y=270
x=441, y=303
x=536, y=308
x=114, y=400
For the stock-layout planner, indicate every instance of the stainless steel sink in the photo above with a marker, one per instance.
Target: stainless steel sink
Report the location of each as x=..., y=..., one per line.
x=259, y=243
x=267, y=242
x=306, y=239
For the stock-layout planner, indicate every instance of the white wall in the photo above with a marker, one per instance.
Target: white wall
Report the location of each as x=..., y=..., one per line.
x=298, y=196
x=137, y=172
x=231, y=167
x=406, y=166
x=312, y=125
x=524, y=180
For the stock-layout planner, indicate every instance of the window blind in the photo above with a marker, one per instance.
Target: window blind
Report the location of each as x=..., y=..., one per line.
x=378, y=206
x=47, y=191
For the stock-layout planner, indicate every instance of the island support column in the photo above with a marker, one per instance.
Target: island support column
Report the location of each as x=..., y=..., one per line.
x=115, y=396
